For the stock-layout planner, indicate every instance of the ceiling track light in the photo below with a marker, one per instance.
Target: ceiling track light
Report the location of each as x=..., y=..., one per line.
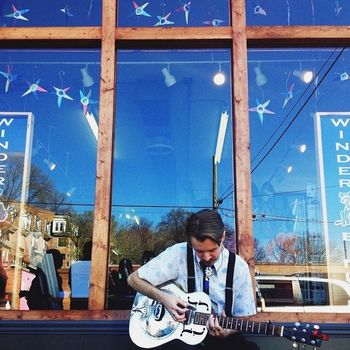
x=260, y=77
x=51, y=165
x=169, y=79
x=219, y=77
x=70, y=192
x=87, y=80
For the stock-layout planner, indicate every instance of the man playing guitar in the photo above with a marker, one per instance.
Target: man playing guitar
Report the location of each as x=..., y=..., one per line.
x=201, y=264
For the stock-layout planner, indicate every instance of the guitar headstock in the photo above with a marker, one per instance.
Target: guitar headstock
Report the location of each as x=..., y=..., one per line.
x=305, y=334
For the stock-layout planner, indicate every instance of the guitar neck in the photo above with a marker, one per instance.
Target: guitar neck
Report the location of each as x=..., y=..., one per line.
x=242, y=325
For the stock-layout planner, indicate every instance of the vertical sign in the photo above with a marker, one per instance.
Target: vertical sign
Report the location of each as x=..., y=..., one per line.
x=333, y=148
x=16, y=134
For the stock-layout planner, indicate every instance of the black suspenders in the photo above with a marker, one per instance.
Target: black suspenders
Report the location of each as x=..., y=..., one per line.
x=190, y=270
x=229, y=278
x=229, y=284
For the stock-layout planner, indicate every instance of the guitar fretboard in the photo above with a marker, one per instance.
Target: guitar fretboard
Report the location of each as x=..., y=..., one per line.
x=242, y=325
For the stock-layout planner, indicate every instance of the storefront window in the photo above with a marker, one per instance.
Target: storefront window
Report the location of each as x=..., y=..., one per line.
x=41, y=13
x=297, y=12
x=205, y=13
x=168, y=117
x=48, y=141
x=299, y=164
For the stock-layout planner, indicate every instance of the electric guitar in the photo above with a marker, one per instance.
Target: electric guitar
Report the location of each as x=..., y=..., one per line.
x=151, y=324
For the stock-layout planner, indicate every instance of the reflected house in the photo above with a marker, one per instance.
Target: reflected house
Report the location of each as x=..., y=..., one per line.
x=60, y=239
x=23, y=243
x=34, y=229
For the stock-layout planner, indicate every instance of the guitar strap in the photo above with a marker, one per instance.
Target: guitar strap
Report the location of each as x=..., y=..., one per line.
x=229, y=284
x=229, y=278
x=190, y=270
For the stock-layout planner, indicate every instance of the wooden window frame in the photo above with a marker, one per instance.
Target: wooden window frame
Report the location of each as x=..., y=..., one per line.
x=238, y=37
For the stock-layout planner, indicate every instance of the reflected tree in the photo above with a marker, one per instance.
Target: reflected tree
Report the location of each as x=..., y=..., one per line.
x=173, y=225
x=259, y=252
x=79, y=229
x=41, y=190
x=282, y=249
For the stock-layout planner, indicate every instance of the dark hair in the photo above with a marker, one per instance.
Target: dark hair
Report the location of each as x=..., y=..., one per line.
x=57, y=257
x=206, y=223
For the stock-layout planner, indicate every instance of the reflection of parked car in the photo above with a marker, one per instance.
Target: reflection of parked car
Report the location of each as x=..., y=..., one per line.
x=300, y=294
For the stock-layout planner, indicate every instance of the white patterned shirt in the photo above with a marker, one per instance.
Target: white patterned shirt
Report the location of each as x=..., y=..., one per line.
x=171, y=265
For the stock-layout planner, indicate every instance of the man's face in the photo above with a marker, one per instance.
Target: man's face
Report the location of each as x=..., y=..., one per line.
x=207, y=251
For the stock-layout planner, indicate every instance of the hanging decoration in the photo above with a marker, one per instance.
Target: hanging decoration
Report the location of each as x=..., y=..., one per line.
x=140, y=9
x=288, y=94
x=214, y=22
x=18, y=14
x=85, y=101
x=33, y=88
x=337, y=8
x=261, y=109
x=61, y=92
x=67, y=11
x=9, y=76
x=342, y=76
x=186, y=9
x=162, y=21
x=258, y=10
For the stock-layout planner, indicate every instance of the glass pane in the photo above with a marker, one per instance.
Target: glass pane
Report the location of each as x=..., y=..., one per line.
x=41, y=13
x=173, y=13
x=300, y=154
x=168, y=116
x=48, y=144
x=297, y=12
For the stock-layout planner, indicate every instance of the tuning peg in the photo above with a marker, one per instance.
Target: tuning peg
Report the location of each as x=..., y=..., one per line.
x=295, y=345
x=297, y=324
x=316, y=326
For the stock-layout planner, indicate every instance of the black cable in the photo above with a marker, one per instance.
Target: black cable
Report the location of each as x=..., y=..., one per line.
x=297, y=114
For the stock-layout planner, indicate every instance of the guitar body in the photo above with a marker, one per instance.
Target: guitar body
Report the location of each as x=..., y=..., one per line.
x=151, y=324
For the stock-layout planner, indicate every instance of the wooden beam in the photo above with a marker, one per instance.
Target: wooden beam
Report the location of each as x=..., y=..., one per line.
x=298, y=32
x=100, y=247
x=241, y=141
x=174, y=33
x=50, y=33
x=266, y=34
x=123, y=315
